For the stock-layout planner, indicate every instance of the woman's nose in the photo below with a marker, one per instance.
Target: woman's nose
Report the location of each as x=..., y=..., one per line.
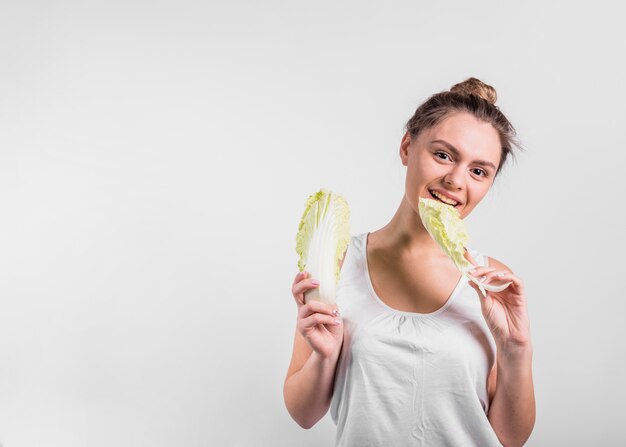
x=453, y=179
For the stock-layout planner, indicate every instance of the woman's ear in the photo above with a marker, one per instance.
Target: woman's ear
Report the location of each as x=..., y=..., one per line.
x=404, y=148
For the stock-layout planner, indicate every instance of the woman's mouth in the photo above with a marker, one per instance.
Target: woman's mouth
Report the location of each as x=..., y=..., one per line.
x=442, y=198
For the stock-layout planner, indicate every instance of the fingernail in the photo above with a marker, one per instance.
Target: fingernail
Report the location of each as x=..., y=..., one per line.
x=336, y=312
x=482, y=278
x=337, y=321
x=315, y=282
x=501, y=274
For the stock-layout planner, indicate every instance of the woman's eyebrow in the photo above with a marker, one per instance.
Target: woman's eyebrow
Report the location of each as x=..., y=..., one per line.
x=456, y=153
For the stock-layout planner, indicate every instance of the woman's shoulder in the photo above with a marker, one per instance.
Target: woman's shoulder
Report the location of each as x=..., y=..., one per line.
x=355, y=239
x=477, y=257
x=489, y=261
x=493, y=262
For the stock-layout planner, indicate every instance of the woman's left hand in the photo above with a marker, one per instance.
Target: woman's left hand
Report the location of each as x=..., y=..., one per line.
x=505, y=312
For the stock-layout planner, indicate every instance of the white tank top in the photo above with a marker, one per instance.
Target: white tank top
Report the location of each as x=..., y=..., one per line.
x=410, y=379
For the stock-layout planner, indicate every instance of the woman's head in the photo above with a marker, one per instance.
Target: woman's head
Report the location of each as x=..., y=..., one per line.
x=455, y=145
x=471, y=96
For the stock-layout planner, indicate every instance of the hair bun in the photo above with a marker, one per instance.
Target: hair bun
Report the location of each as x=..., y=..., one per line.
x=473, y=86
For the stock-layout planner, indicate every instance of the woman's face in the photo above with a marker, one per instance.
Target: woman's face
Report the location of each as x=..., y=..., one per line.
x=454, y=161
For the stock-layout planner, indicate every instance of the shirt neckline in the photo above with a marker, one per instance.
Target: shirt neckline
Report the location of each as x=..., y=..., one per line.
x=370, y=286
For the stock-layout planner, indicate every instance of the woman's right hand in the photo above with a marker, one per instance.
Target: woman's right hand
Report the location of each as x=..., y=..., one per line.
x=319, y=323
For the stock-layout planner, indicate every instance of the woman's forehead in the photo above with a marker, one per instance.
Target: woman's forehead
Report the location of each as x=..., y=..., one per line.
x=469, y=135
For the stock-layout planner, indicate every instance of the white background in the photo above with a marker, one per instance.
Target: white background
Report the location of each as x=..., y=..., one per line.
x=155, y=158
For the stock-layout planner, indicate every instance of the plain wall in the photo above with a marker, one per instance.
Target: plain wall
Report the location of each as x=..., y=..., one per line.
x=155, y=158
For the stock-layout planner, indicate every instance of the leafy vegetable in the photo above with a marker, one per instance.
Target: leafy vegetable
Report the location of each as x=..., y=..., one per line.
x=323, y=236
x=446, y=227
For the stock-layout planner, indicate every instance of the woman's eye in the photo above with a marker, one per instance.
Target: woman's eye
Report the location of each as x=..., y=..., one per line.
x=480, y=172
x=442, y=155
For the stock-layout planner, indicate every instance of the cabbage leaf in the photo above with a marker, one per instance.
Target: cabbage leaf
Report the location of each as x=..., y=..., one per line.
x=445, y=226
x=322, y=238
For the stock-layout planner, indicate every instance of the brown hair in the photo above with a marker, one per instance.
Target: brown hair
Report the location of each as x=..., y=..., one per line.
x=475, y=97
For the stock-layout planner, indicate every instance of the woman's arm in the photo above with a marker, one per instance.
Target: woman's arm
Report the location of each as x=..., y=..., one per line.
x=317, y=344
x=512, y=409
x=308, y=390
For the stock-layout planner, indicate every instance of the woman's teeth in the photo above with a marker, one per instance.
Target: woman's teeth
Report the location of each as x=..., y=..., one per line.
x=444, y=199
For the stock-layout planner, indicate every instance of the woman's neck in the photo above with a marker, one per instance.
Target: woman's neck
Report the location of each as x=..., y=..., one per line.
x=405, y=235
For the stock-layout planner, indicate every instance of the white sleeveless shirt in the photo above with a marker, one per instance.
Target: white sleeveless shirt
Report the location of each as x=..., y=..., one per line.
x=410, y=379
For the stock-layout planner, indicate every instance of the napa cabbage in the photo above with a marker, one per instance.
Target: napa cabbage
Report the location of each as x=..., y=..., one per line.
x=322, y=238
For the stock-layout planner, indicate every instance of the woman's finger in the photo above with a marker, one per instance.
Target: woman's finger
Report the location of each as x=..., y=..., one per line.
x=481, y=271
x=500, y=278
x=317, y=318
x=298, y=296
x=495, y=274
x=299, y=277
x=504, y=276
x=315, y=306
x=300, y=285
x=304, y=285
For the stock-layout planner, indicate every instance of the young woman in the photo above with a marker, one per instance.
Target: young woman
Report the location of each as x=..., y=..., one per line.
x=417, y=356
